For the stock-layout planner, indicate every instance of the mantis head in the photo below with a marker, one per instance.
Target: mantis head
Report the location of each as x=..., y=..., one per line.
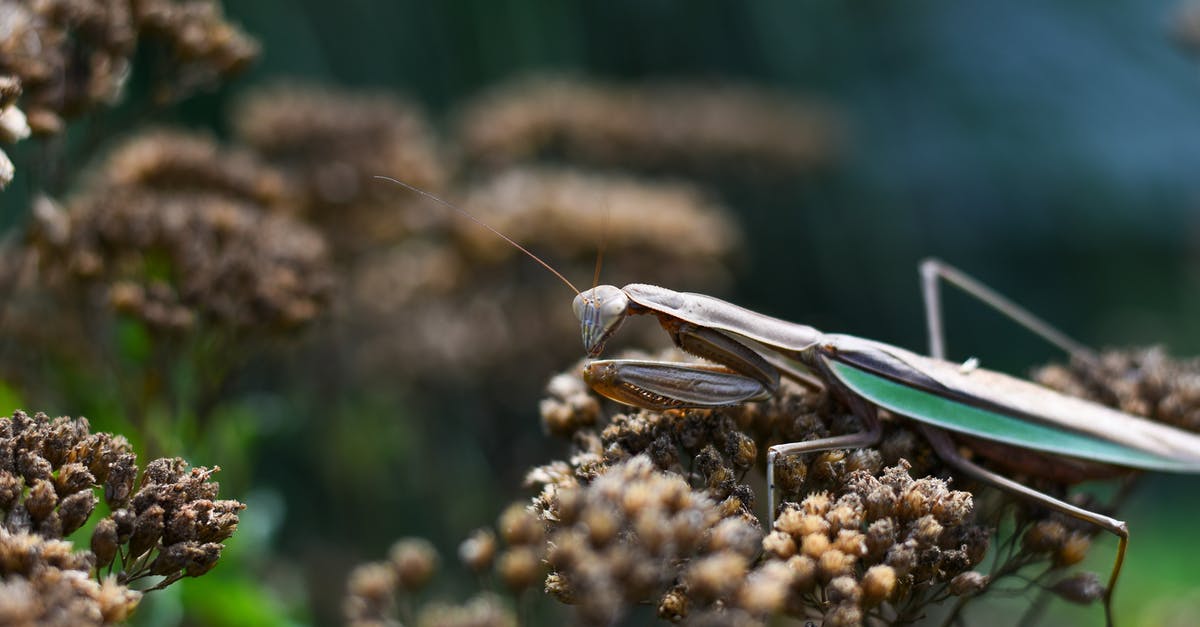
x=600, y=310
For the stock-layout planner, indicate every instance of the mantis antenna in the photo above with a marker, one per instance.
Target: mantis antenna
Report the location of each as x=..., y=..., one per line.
x=487, y=226
x=603, y=244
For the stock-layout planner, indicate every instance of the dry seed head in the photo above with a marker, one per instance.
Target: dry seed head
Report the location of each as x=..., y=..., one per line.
x=1072, y=550
x=1083, y=588
x=804, y=572
x=716, y=576
x=104, y=542
x=926, y=530
x=738, y=535
x=843, y=590
x=779, y=545
x=673, y=606
x=815, y=545
x=477, y=551
x=414, y=560
x=1044, y=536
x=766, y=589
x=519, y=526
x=847, y=513
x=370, y=593
x=843, y=616
x=969, y=583
x=851, y=542
x=519, y=567
x=602, y=524
x=834, y=563
x=878, y=584
x=41, y=500
x=816, y=504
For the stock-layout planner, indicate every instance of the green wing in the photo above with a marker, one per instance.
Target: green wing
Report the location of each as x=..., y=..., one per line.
x=942, y=410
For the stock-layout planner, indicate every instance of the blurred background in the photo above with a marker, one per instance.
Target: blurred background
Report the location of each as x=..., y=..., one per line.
x=375, y=370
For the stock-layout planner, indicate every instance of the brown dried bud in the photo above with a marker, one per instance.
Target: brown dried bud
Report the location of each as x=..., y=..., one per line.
x=815, y=545
x=834, y=563
x=41, y=500
x=673, y=606
x=147, y=529
x=124, y=520
x=477, y=551
x=602, y=525
x=736, y=534
x=742, y=450
x=843, y=590
x=804, y=573
x=104, y=542
x=969, y=583
x=1073, y=549
x=119, y=485
x=519, y=567
x=851, y=543
x=11, y=487
x=1083, y=588
x=557, y=586
x=1044, y=536
x=779, y=544
x=518, y=526
x=116, y=601
x=33, y=467
x=878, y=584
x=73, y=478
x=75, y=510
x=202, y=559
x=171, y=559
x=766, y=589
x=846, y=514
x=414, y=560
x=715, y=576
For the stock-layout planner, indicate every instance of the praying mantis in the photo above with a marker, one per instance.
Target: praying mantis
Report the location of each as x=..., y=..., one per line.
x=999, y=417
x=1043, y=432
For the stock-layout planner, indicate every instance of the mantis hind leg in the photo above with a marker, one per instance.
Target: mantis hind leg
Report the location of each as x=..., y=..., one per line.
x=868, y=437
x=933, y=269
x=946, y=450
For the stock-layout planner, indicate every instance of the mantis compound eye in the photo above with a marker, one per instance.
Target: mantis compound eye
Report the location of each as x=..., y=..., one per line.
x=600, y=311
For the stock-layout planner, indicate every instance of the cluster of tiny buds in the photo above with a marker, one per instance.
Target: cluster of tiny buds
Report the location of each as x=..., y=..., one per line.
x=168, y=525
x=1145, y=382
x=636, y=534
x=885, y=540
x=382, y=593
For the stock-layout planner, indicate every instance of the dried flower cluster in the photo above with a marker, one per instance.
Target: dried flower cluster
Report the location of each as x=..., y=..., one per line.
x=70, y=56
x=460, y=289
x=653, y=126
x=379, y=593
x=166, y=525
x=332, y=145
x=1144, y=382
x=176, y=231
x=857, y=540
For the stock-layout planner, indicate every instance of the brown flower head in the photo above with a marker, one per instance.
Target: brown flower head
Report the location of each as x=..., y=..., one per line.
x=333, y=144
x=75, y=55
x=174, y=231
x=170, y=527
x=459, y=298
x=654, y=126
